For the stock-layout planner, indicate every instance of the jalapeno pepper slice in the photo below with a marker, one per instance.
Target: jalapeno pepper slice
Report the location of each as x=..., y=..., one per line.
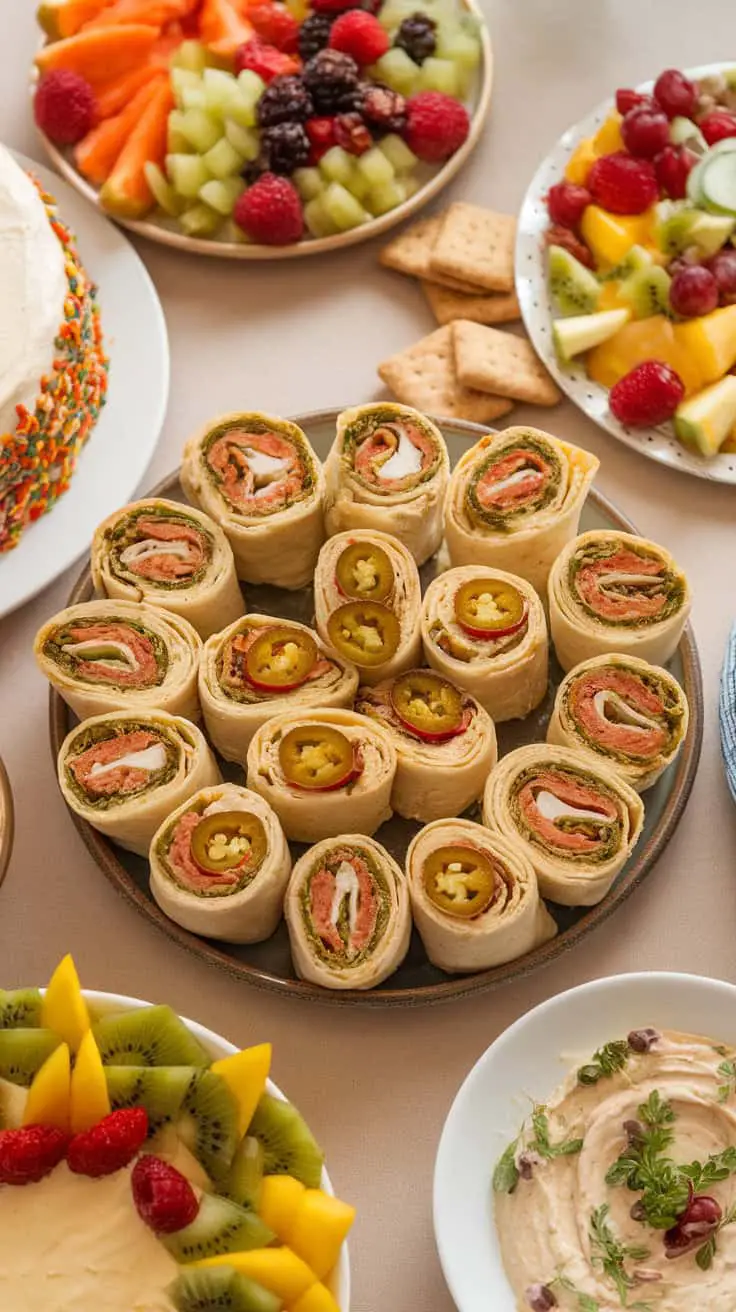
x=227, y=840
x=490, y=608
x=280, y=659
x=428, y=706
x=364, y=572
x=460, y=880
x=318, y=757
x=364, y=632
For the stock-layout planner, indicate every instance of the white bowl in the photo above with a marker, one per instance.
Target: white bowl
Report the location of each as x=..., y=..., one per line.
x=105, y=1003
x=526, y=1062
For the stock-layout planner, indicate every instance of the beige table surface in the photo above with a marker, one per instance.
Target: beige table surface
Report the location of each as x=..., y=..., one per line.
x=376, y=1086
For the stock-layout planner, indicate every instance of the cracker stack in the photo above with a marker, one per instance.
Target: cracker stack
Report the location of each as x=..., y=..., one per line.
x=466, y=369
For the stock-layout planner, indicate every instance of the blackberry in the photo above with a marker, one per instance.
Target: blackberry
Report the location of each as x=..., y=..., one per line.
x=383, y=110
x=314, y=34
x=332, y=81
x=254, y=169
x=286, y=147
x=417, y=35
x=285, y=100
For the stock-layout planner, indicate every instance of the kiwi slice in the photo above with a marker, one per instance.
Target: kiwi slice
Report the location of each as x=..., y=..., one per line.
x=153, y=1036
x=20, y=1009
x=572, y=286
x=215, y=1288
x=208, y=1123
x=160, y=1089
x=23, y=1052
x=647, y=292
x=635, y=259
x=243, y=1181
x=673, y=226
x=219, y=1227
x=289, y=1147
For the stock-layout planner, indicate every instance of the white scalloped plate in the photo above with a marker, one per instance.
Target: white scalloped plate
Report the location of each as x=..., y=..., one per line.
x=531, y=283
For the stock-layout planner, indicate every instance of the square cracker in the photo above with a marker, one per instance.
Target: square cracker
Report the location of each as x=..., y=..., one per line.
x=410, y=253
x=489, y=307
x=476, y=246
x=424, y=376
x=493, y=361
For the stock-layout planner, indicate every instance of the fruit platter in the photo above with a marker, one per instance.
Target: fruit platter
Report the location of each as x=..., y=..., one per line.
x=626, y=268
x=196, y=1184
x=255, y=129
x=218, y=640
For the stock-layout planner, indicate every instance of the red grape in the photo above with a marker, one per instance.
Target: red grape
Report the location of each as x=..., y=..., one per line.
x=723, y=267
x=672, y=167
x=718, y=125
x=693, y=291
x=645, y=132
x=566, y=202
x=675, y=94
x=627, y=99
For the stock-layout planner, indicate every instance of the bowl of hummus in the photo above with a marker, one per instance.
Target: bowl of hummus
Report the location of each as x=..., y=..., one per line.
x=588, y=1162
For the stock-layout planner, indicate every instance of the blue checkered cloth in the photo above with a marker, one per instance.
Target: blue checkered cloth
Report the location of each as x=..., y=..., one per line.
x=727, y=712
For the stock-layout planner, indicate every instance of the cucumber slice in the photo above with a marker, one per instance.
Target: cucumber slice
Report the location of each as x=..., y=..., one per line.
x=694, y=181
x=718, y=183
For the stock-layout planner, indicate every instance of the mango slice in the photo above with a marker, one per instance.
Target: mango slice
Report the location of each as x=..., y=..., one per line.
x=246, y=1073
x=49, y=1097
x=581, y=162
x=654, y=338
x=611, y=236
x=316, y=1299
x=279, y=1201
x=277, y=1269
x=63, y=1009
x=710, y=342
x=90, y=1100
x=608, y=139
x=319, y=1229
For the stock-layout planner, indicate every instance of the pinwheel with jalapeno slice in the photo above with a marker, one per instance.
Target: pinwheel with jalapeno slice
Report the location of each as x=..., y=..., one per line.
x=486, y=631
x=261, y=666
x=125, y=772
x=172, y=556
x=220, y=865
x=445, y=742
x=347, y=911
x=388, y=470
x=614, y=592
x=577, y=819
x=260, y=480
x=111, y=655
x=624, y=711
x=474, y=897
x=315, y=767
x=515, y=499
x=367, y=603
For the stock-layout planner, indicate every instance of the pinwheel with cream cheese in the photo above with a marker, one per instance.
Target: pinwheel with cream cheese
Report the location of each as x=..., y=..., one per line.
x=347, y=911
x=317, y=768
x=124, y=773
x=576, y=818
x=113, y=655
x=515, y=500
x=474, y=897
x=485, y=630
x=220, y=865
x=260, y=480
x=367, y=602
x=388, y=469
x=612, y=591
x=171, y=556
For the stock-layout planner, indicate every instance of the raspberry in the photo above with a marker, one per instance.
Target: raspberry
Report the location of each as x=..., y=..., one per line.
x=65, y=107
x=359, y=35
x=436, y=125
x=718, y=125
x=110, y=1145
x=623, y=185
x=285, y=100
x=321, y=133
x=556, y=235
x=627, y=99
x=29, y=1154
x=647, y=396
x=417, y=36
x=672, y=167
x=285, y=147
x=274, y=24
x=566, y=203
x=314, y=34
x=271, y=212
x=265, y=60
x=163, y=1197
x=352, y=134
x=383, y=109
x=332, y=81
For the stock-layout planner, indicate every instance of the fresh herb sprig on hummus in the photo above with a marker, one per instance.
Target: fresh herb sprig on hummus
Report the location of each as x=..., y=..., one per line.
x=507, y=1173
x=541, y=1142
x=611, y=1255
x=727, y=1072
x=606, y=1061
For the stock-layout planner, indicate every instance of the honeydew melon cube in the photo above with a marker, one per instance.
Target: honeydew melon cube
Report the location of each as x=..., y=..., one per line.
x=345, y=211
x=163, y=192
x=220, y=89
x=190, y=55
x=358, y=184
x=439, y=75
x=375, y=167
x=398, y=71
x=193, y=98
x=409, y=186
x=401, y=159
x=200, y=221
x=244, y=140
x=462, y=48
x=251, y=86
x=221, y=194
x=231, y=231
x=183, y=79
x=308, y=183
x=386, y=197
x=317, y=220
x=223, y=160
x=241, y=111
x=187, y=173
x=176, y=142
x=200, y=129
x=337, y=165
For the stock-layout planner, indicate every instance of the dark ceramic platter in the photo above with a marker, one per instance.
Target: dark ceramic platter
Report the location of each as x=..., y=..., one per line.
x=268, y=965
